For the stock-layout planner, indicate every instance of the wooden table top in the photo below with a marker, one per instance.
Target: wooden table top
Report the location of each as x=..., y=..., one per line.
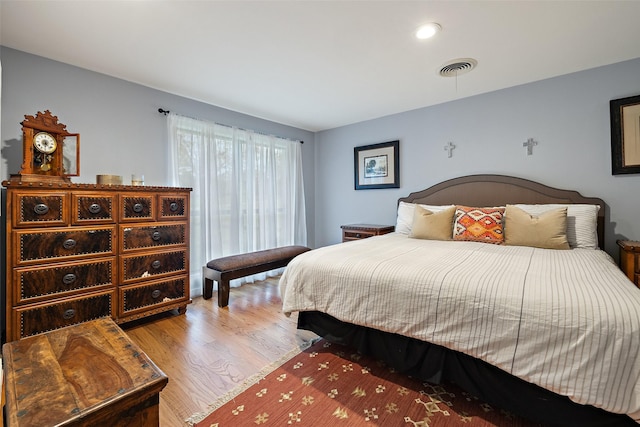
x=73, y=372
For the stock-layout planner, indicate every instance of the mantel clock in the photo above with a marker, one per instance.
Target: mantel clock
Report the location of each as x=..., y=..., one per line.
x=49, y=152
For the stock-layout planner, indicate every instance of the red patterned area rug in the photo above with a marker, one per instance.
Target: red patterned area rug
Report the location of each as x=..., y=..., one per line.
x=330, y=385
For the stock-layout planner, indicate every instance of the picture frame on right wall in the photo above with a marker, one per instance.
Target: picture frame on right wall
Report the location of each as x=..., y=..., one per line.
x=625, y=135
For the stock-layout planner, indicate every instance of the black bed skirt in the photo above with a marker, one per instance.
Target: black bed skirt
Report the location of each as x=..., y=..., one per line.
x=437, y=364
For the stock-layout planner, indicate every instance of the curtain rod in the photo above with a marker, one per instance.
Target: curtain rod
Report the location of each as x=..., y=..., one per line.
x=165, y=112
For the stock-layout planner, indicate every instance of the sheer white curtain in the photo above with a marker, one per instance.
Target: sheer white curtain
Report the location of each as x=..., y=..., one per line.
x=247, y=193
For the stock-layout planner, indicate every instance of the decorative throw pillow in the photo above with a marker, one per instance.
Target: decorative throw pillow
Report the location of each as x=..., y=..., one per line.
x=582, y=222
x=478, y=224
x=432, y=225
x=405, y=215
x=547, y=230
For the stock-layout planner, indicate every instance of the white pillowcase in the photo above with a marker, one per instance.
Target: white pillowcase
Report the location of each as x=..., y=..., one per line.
x=582, y=222
x=404, y=221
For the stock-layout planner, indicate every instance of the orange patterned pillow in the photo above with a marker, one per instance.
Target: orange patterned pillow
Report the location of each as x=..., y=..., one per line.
x=478, y=224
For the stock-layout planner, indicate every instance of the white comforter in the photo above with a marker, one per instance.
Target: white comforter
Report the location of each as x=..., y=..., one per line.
x=568, y=321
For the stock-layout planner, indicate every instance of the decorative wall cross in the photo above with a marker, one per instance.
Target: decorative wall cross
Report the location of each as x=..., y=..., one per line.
x=529, y=144
x=449, y=147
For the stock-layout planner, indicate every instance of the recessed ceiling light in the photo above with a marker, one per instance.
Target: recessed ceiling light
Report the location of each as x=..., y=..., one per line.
x=428, y=30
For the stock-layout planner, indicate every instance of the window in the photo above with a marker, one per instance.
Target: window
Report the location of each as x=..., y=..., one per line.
x=248, y=191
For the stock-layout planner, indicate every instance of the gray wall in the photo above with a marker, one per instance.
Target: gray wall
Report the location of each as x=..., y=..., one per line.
x=121, y=131
x=567, y=115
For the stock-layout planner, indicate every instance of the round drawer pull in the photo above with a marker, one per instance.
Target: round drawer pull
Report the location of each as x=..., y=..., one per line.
x=358, y=235
x=69, y=244
x=156, y=264
x=69, y=314
x=41, y=209
x=173, y=207
x=94, y=208
x=137, y=208
x=155, y=294
x=156, y=236
x=68, y=279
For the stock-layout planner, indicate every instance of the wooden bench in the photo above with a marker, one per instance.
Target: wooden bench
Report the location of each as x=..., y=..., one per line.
x=223, y=270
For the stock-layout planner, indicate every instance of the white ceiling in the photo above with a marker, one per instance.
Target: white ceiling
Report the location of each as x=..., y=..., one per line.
x=322, y=64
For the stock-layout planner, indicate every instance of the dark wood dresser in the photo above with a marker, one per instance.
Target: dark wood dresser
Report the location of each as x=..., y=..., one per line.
x=630, y=259
x=88, y=374
x=362, y=231
x=77, y=252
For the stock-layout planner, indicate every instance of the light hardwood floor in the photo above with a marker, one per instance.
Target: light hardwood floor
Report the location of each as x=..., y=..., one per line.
x=210, y=350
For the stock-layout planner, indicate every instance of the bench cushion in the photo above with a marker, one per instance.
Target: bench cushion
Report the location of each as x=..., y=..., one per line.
x=246, y=261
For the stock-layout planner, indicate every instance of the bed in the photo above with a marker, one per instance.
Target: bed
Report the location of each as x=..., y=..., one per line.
x=548, y=332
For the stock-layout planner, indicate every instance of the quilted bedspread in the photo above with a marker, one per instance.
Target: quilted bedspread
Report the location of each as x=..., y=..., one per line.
x=566, y=320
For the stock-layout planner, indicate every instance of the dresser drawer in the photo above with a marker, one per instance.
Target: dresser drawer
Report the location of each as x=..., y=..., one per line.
x=151, y=294
x=90, y=208
x=173, y=207
x=34, y=209
x=153, y=236
x=59, y=280
x=34, y=319
x=356, y=234
x=137, y=207
x=136, y=267
x=63, y=244
x=363, y=231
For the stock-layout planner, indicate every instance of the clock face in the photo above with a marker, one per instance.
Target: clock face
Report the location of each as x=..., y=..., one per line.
x=44, y=142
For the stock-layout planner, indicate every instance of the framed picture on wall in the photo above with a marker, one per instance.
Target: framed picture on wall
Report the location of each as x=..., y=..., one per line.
x=625, y=135
x=377, y=166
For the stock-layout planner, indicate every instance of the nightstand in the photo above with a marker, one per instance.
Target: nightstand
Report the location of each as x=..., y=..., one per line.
x=362, y=231
x=630, y=259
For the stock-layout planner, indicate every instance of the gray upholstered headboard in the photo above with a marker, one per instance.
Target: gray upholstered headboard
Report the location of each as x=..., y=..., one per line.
x=499, y=190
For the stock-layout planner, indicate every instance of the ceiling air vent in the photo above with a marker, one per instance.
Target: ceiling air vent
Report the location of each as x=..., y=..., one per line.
x=457, y=67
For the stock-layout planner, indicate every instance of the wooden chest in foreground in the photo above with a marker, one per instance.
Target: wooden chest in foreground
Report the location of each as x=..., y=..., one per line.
x=88, y=374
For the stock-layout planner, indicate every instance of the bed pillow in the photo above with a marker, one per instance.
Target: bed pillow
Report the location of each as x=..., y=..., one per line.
x=405, y=215
x=432, y=225
x=547, y=230
x=478, y=224
x=582, y=222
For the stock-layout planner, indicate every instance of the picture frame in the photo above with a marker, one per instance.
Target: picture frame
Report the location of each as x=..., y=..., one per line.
x=625, y=135
x=377, y=165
